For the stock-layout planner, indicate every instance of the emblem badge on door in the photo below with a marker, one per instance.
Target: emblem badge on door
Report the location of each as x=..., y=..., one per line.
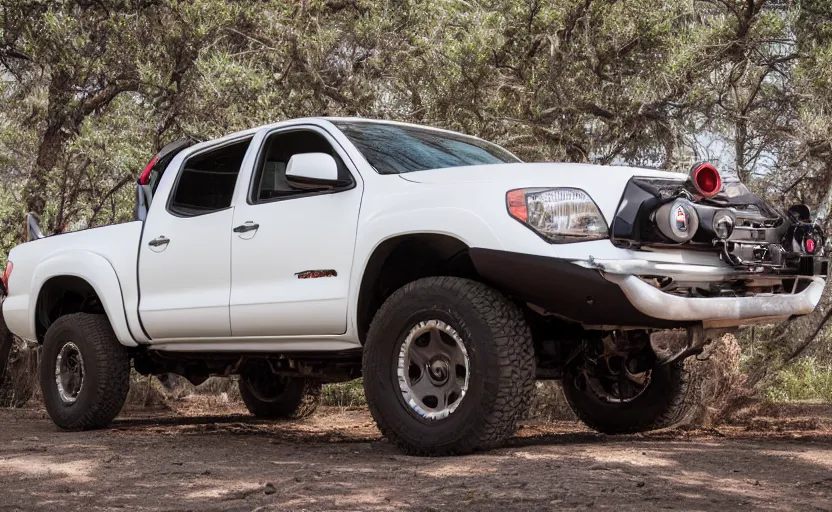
x=315, y=274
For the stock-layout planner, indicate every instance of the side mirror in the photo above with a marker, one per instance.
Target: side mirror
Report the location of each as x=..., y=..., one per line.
x=312, y=171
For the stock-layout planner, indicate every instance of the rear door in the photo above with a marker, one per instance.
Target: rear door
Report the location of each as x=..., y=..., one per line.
x=185, y=253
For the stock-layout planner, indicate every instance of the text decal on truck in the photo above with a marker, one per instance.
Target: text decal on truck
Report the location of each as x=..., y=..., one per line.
x=314, y=274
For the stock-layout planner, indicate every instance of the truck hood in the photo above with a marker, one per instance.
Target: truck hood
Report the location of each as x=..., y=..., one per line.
x=533, y=174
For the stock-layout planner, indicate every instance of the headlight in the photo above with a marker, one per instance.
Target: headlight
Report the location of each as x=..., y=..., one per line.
x=559, y=215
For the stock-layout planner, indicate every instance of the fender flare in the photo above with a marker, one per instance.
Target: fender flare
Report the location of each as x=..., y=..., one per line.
x=461, y=224
x=95, y=270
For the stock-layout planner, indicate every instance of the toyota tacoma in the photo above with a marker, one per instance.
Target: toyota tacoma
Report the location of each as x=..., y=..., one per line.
x=437, y=266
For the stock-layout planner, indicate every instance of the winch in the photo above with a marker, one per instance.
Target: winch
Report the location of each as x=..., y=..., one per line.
x=706, y=213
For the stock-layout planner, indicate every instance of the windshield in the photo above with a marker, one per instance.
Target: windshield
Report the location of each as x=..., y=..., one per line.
x=396, y=149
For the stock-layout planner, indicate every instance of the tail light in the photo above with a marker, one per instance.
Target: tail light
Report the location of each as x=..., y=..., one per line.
x=706, y=179
x=144, y=179
x=6, y=275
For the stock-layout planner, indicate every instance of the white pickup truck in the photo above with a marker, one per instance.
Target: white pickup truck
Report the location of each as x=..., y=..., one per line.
x=439, y=266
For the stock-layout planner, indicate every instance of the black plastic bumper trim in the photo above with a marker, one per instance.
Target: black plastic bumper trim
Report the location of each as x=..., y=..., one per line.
x=562, y=288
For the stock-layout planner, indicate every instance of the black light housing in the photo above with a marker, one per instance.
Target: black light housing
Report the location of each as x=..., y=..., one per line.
x=800, y=213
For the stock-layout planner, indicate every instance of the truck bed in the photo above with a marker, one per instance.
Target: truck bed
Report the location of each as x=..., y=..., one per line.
x=82, y=251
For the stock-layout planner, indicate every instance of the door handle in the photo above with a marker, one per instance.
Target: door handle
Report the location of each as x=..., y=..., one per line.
x=158, y=242
x=245, y=228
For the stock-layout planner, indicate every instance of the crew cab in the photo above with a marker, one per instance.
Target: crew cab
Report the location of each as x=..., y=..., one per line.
x=438, y=266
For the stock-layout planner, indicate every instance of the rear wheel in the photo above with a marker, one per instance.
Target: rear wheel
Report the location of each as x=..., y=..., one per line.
x=448, y=367
x=267, y=395
x=85, y=372
x=624, y=391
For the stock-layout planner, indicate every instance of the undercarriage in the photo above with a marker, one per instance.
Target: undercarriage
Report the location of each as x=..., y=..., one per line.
x=616, y=363
x=560, y=344
x=197, y=368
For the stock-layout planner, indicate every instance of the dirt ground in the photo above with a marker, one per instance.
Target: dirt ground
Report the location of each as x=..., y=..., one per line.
x=336, y=460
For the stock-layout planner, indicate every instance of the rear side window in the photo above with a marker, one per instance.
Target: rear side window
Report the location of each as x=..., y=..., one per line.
x=160, y=163
x=206, y=183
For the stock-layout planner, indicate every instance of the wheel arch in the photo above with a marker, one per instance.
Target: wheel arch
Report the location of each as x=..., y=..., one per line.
x=401, y=259
x=61, y=280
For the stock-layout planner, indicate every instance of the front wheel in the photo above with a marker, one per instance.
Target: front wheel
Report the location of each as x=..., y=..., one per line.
x=448, y=367
x=615, y=393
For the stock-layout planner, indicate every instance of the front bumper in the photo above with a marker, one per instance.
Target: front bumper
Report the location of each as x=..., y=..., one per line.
x=718, y=311
x=712, y=311
x=611, y=294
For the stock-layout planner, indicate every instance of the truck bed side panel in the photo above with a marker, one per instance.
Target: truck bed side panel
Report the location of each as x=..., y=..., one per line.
x=36, y=262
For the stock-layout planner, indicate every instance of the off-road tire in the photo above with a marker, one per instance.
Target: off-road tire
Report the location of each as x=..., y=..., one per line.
x=501, y=358
x=666, y=402
x=106, y=372
x=299, y=399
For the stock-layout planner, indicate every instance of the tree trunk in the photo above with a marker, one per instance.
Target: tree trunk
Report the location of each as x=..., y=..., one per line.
x=48, y=151
x=739, y=148
x=51, y=142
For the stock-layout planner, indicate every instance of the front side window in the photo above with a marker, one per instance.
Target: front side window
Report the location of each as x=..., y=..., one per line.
x=396, y=149
x=207, y=181
x=270, y=180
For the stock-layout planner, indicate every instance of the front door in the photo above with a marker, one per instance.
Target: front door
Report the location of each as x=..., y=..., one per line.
x=292, y=255
x=185, y=252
